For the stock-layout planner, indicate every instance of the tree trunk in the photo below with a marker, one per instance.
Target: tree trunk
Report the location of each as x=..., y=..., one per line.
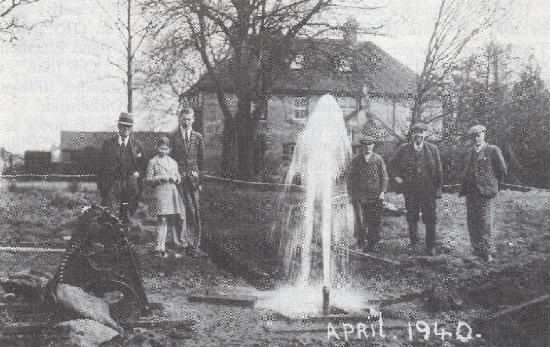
x=245, y=138
x=516, y=170
x=229, y=157
x=415, y=115
x=129, y=58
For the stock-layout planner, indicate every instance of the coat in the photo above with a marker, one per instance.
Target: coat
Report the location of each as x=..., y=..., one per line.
x=404, y=167
x=489, y=171
x=166, y=199
x=188, y=155
x=110, y=162
x=366, y=180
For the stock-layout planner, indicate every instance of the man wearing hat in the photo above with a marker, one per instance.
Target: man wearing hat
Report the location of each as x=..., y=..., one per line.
x=418, y=175
x=187, y=151
x=484, y=170
x=367, y=183
x=120, y=170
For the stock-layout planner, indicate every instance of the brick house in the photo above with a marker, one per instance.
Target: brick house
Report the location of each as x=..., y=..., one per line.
x=374, y=90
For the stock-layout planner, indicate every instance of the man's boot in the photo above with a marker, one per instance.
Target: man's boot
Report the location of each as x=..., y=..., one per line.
x=430, y=239
x=373, y=236
x=413, y=236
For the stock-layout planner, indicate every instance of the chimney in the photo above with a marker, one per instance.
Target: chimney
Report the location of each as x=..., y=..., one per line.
x=349, y=30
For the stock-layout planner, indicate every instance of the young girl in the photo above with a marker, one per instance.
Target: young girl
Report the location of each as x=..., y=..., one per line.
x=167, y=204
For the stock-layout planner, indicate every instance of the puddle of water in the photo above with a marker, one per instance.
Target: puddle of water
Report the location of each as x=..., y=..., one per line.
x=304, y=302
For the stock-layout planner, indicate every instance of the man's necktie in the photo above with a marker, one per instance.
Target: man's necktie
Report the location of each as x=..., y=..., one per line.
x=122, y=147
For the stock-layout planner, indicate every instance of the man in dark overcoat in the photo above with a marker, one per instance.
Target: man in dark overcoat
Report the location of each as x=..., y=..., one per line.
x=120, y=170
x=367, y=184
x=484, y=171
x=418, y=175
x=187, y=151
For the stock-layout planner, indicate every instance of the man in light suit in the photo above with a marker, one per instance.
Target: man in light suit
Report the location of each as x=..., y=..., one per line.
x=120, y=171
x=484, y=171
x=187, y=151
x=418, y=175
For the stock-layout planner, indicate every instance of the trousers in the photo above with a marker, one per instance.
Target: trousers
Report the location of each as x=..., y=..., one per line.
x=425, y=203
x=368, y=215
x=122, y=198
x=479, y=216
x=191, y=200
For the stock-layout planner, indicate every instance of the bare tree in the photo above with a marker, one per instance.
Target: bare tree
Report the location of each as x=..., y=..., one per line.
x=458, y=22
x=10, y=24
x=172, y=66
x=124, y=18
x=251, y=42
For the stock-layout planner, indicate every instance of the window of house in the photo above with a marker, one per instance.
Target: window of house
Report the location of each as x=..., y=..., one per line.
x=298, y=62
x=300, y=107
x=263, y=115
x=345, y=64
x=288, y=150
x=347, y=104
x=231, y=101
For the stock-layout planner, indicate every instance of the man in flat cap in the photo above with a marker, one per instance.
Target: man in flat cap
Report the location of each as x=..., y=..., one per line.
x=418, y=175
x=367, y=183
x=484, y=171
x=187, y=151
x=120, y=170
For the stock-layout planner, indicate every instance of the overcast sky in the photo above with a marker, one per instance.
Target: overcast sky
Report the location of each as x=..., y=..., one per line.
x=56, y=78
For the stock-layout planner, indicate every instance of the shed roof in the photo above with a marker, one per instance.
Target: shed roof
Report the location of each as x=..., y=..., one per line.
x=79, y=140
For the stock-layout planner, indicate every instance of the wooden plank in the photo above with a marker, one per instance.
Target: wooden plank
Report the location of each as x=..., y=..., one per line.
x=29, y=328
x=41, y=244
x=518, y=309
x=218, y=299
x=31, y=250
x=403, y=298
x=334, y=318
x=373, y=257
x=186, y=324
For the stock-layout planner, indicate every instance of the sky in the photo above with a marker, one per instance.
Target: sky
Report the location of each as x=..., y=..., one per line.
x=58, y=77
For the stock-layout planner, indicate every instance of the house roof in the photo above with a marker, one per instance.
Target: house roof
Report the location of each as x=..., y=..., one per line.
x=373, y=68
x=367, y=123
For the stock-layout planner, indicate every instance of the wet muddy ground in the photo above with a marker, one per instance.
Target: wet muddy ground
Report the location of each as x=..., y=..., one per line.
x=448, y=289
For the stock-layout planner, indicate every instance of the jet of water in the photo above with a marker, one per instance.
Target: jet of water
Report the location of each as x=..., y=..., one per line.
x=320, y=159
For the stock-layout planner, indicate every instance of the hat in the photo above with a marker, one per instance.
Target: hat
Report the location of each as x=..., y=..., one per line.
x=367, y=139
x=477, y=129
x=187, y=111
x=418, y=128
x=126, y=118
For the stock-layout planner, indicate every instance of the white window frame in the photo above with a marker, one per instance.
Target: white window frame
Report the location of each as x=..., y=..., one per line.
x=345, y=65
x=263, y=115
x=299, y=111
x=298, y=62
x=348, y=104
